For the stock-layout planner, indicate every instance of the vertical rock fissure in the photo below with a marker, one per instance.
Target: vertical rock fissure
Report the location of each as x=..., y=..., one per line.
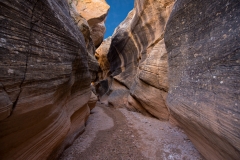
x=32, y=23
x=3, y=87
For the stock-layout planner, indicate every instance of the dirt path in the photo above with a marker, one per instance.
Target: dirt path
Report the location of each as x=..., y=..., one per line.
x=123, y=135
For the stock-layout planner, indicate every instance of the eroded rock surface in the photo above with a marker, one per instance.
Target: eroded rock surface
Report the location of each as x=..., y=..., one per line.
x=138, y=59
x=87, y=31
x=101, y=56
x=201, y=86
x=95, y=12
x=48, y=62
x=202, y=40
x=45, y=78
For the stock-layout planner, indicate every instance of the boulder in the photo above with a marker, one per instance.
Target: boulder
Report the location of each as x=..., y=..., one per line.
x=92, y=101
x=118, y=95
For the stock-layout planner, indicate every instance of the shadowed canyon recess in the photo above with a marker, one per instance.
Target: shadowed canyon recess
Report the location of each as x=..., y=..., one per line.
x=165, y=85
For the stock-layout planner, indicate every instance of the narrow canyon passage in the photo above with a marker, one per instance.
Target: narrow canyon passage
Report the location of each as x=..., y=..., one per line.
x=70, y=91
x=121, y=134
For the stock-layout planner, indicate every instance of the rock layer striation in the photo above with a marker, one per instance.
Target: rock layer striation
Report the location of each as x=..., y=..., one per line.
x=202, y=40
x=186, y=71
x=47, y=67
x=138, y=60
x=94, y=12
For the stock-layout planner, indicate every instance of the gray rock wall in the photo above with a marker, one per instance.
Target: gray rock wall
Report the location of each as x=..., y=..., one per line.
x=202, y=39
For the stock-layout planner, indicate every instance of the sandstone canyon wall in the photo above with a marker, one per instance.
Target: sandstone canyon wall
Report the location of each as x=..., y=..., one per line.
x=189, y=75
x=138, y=59
x=94, y=12
x=47, y=66
x=203, y=39
x=101, y=56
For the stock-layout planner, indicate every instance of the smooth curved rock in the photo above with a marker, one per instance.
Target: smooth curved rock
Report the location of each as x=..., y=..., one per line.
x=92, y=102
x=95, y=12
x=45, y=79
x=138, y=59
x=202, y=40
x=134, y=105
x=86, y=30
x=118, y=95
x=101, y=56
x=98, y=31
x=151, y=83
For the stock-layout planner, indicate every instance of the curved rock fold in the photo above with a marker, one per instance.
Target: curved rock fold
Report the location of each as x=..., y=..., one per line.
x=46, y=71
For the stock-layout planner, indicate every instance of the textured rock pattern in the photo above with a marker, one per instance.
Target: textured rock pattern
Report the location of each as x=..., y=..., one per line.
x=44, y=81
x=151, y=83
x=202, y=40
x=138, y=59
x=86, y=30
x=95, y=12
x=101, y=56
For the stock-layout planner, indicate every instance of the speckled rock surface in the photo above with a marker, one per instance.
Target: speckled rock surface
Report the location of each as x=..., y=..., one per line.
x=45, y=79
x=202, y=40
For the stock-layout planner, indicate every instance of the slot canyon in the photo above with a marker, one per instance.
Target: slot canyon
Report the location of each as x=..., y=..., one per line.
x=164, y=86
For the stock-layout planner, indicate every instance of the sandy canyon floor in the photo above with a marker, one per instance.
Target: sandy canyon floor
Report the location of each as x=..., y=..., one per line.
x=119, y=134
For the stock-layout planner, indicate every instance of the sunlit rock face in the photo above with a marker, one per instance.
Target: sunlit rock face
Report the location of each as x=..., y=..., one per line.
x=46, y=71
x=90, y=17
x=101, y=56
x=188, y=68
x=95, y=12
x=138, y=59
x=202, y=40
